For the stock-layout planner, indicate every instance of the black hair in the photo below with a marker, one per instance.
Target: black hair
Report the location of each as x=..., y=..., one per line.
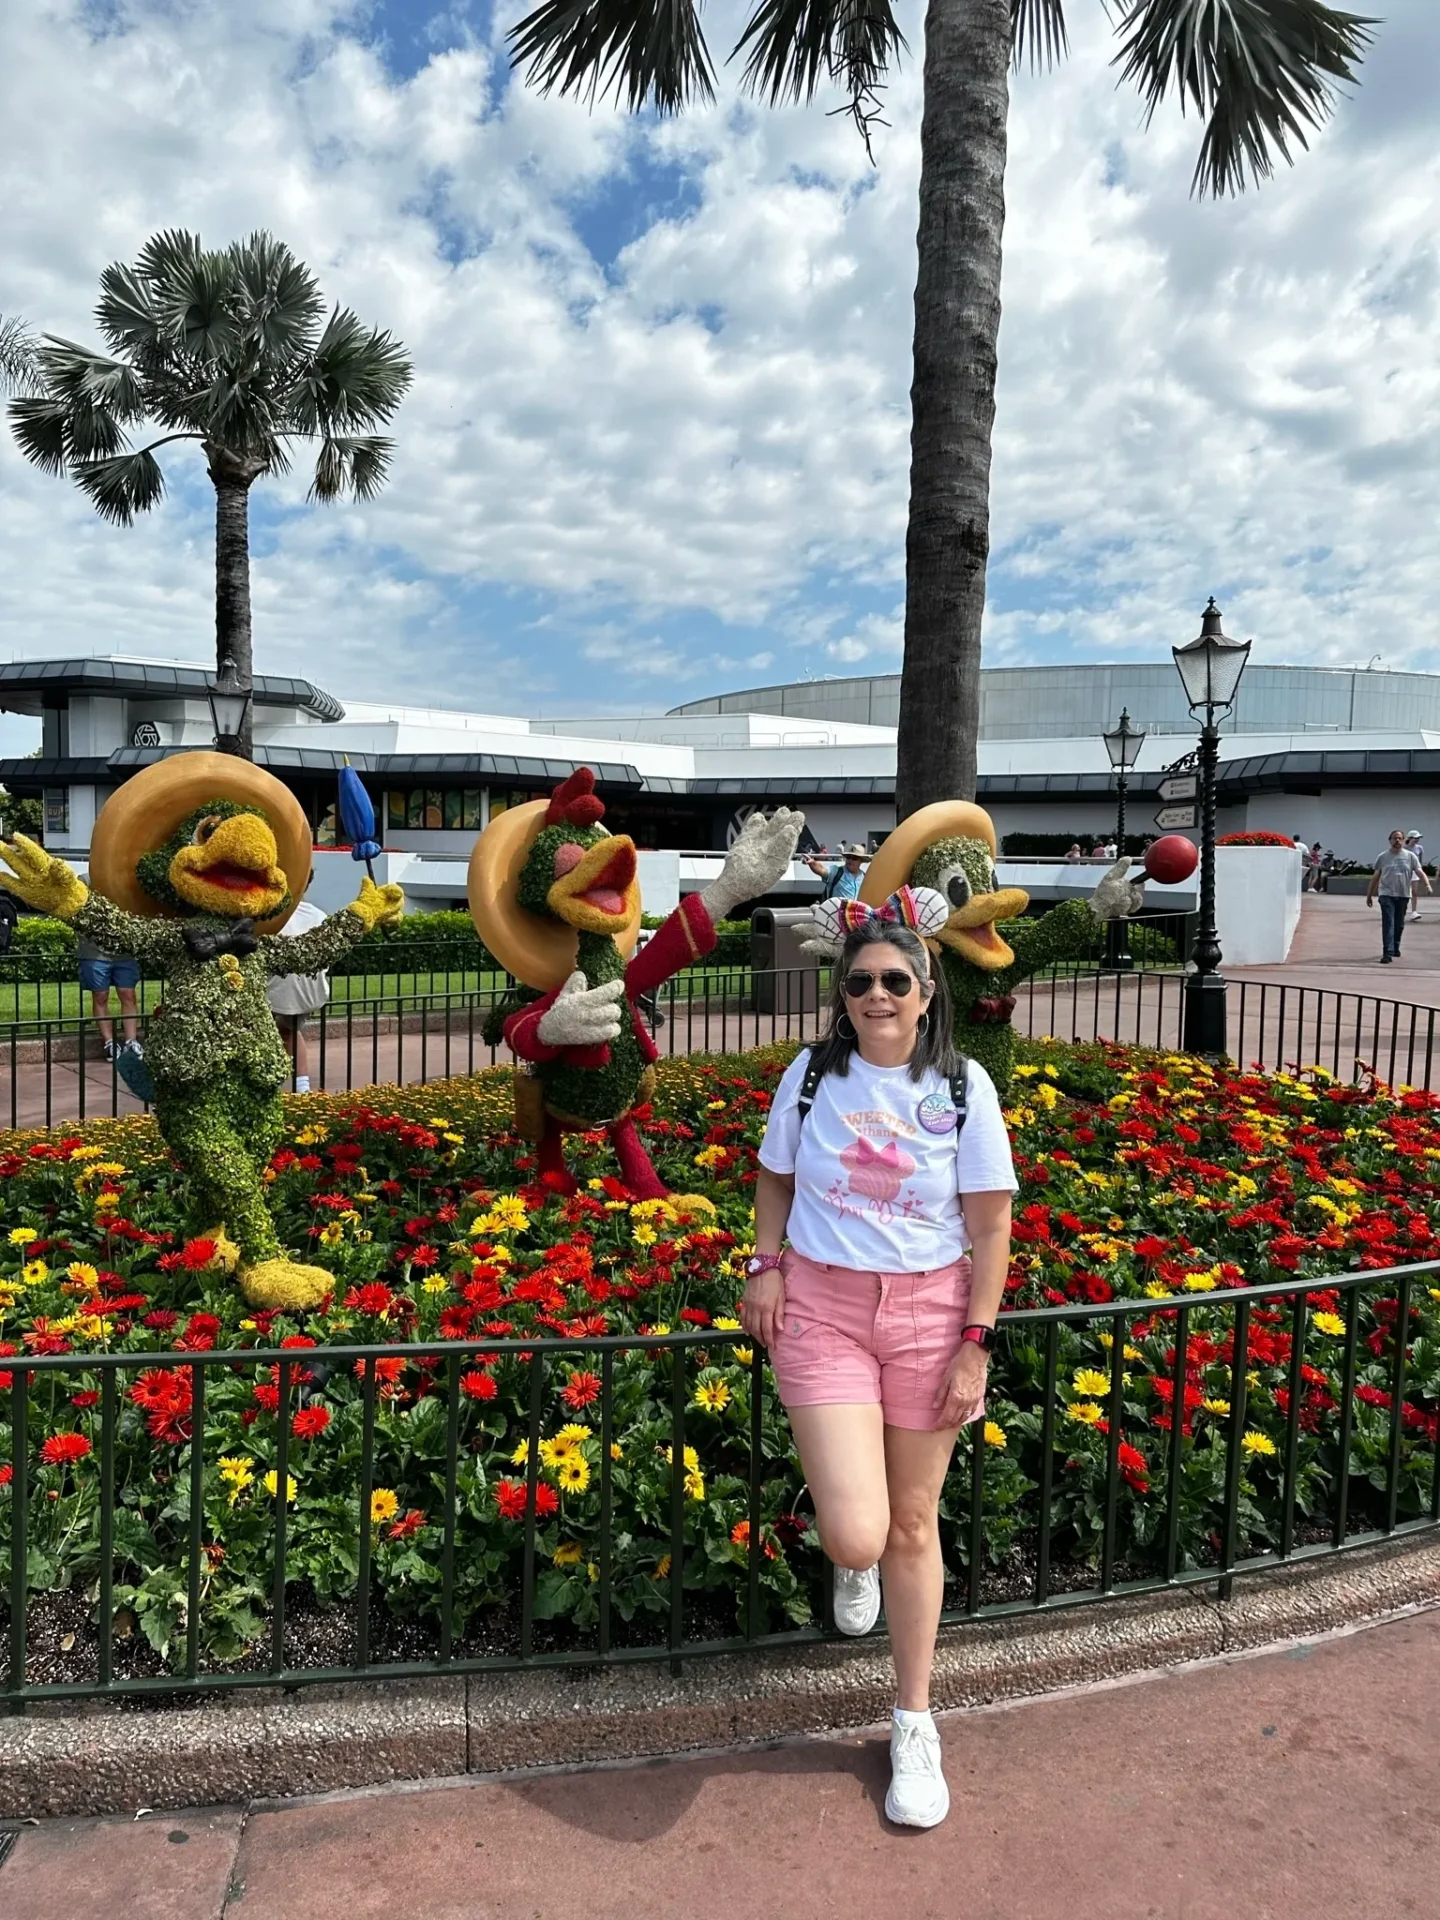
x=935, y=1049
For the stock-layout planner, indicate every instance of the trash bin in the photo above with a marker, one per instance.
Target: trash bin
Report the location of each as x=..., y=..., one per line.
x=785, y=980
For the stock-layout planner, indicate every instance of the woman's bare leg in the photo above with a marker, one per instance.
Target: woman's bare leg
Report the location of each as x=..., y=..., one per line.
x=842, y=1455
x=912, y=1572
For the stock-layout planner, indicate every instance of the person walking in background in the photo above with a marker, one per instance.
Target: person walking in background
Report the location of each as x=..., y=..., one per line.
x=1074, y=854
x=1327, y=867
x=1417, y=847
x=295, y=997
x=1311, y=880
x=1397, y=875
x=842, y=878
x=886, y=1165
x=99, y=972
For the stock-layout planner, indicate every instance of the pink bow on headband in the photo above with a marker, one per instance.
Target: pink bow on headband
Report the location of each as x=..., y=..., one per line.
x=920, y=908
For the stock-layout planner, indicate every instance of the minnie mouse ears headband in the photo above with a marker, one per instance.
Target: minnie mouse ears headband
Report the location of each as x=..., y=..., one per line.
x=921, y=909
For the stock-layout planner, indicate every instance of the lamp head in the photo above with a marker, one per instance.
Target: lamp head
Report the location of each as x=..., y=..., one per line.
x=1210, y=665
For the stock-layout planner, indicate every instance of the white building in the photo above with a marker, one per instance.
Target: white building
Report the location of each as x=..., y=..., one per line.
x=681, y=782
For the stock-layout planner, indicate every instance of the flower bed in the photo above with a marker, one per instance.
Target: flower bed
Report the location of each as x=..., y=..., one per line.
x=1145, y=1177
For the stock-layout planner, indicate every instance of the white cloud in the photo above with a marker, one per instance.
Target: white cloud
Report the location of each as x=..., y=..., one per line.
x=597, y=462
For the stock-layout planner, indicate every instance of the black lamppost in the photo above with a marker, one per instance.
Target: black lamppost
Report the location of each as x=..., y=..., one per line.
x=230, y=703
x=1123, y=745
x=1210, y=667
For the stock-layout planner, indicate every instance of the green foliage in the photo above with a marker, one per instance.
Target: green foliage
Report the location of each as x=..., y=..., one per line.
x=1048, y=846
x=227, y=348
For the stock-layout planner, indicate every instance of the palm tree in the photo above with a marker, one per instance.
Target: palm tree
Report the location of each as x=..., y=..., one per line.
x=230, y=350
x=17, y=356
x=1259, y=73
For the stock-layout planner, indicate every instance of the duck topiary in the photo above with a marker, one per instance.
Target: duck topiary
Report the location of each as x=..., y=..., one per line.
x=556, y=899
x=950, y=848
x=195, y=864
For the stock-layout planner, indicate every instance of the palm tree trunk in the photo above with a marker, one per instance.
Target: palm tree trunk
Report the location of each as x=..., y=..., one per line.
x=233, y=476
x=957, y=322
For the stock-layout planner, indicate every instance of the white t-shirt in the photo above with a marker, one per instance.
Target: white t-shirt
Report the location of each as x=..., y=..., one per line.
x=875, y=1189
x=297, y=993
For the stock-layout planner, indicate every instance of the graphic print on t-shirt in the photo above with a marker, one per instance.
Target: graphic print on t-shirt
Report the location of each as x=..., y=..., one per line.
x=875, y=1176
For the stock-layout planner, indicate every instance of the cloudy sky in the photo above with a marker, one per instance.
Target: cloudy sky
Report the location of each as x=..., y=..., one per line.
x=658, y=440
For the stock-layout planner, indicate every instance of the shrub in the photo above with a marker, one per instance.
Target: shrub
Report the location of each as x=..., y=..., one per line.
x=1259, y=838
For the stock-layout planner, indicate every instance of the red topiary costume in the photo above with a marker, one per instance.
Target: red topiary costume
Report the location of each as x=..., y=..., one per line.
x=555, y=899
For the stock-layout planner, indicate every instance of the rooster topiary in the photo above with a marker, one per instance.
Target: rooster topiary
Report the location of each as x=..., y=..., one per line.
x=555, y=898
x=195, y=862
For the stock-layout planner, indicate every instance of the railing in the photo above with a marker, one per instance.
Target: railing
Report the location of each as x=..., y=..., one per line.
x=50, y=1073
x=1045, y=1507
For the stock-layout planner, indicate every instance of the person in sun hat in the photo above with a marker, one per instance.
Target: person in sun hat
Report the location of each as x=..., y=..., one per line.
x=842, y=878
x=1414, y=844
x=887, y=1167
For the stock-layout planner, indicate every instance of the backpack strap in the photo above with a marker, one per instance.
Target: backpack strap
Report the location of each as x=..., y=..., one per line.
x=810, y=1085
x=960, y=1094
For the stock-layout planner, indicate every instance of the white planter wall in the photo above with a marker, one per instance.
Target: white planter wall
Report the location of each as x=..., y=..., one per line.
x=1257, y=904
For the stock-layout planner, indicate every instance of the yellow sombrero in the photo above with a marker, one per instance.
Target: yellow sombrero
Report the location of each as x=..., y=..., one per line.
x=141, y=816
x=943, y=820
x=540, y=952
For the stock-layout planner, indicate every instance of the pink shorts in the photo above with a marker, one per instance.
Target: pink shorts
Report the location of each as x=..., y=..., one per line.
x=861, y=1339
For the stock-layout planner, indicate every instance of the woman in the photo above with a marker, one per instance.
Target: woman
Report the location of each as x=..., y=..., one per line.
x=880, y=1314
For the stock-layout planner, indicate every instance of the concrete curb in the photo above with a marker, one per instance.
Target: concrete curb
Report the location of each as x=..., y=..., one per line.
x=105, y=1759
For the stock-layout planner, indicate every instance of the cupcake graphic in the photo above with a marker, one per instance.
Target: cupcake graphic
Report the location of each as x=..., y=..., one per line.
x=877, y=1172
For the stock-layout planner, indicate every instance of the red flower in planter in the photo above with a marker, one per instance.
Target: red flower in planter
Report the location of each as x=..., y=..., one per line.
x=580, y=1391
x=476, y=1385
x=63, y=1449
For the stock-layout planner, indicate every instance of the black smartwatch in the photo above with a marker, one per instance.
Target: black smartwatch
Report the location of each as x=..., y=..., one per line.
x=981, y=1335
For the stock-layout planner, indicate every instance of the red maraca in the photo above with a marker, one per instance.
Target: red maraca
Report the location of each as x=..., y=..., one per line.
x=1171, y=859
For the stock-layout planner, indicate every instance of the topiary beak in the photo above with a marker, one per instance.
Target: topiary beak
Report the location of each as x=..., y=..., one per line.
x=970, y=930
x=234, y=871
x=599, y=893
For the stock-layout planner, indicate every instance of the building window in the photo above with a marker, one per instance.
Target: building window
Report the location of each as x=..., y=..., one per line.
x=395, y=811
x=429, y=809
x=57, y=811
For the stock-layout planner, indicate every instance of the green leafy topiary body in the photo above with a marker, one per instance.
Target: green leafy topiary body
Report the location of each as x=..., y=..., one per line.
x=596, y=1095
x=1066, y=932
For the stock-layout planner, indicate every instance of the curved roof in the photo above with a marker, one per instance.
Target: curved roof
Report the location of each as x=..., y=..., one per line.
x=25, y=684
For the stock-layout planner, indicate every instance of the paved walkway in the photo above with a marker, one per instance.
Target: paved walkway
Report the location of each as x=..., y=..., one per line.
x=1337, y=945
x=1302, y=1785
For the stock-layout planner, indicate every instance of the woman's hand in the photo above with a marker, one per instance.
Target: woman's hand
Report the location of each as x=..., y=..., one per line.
x=963, y=1393
x=762, y=1309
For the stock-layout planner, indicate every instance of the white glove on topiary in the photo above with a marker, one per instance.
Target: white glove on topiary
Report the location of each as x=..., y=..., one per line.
x=761, y=855
x=583, y=1016
x=1117, y=898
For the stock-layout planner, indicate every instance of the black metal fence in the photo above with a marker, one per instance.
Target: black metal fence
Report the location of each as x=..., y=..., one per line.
x=52, y=1072
x=1072, y=1501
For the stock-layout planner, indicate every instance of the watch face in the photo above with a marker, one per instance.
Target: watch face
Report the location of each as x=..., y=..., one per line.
x=756, y=1264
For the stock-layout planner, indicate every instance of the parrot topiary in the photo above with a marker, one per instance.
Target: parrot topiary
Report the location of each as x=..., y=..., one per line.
x=555, y=898
x=199, y=883
x=950, y=847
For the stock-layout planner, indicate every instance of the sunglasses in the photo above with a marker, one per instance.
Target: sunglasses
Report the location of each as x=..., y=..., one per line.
x=895, y=980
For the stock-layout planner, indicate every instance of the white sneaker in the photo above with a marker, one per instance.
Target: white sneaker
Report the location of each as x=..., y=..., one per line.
x=857, y=1599
x=918, y=1795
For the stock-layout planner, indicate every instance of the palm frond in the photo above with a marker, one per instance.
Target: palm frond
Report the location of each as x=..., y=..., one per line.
x=1038, y=27
x=644, y=52
x=357, y=465
x=281, y=302
x=193, y=296
x=18, y=372
x=38, y=424
x=125, y=312
x=1264, y=71
x=123, y=485
x=356, y=377
x=795, y=45
x=91, y=381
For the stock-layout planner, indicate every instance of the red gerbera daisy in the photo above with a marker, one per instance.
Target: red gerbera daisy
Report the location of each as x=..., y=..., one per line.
x=309, y=1422
x=580, y=1391
x=407, y=1524
x=61, y=1448
x=476, y=1385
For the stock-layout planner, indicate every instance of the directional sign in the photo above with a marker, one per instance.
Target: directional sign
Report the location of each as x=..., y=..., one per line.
x=1176, y=819
x=1182, y=786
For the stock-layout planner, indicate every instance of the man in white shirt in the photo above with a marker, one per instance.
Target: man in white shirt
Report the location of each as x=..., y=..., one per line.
x=1397, y=875
x=1414, y=844
x=294, y=997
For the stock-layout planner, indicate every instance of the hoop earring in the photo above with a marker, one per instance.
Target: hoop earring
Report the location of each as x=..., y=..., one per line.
x=840, y=1027
x=922, y=1025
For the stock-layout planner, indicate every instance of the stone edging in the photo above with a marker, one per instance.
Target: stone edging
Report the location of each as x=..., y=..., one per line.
x=103, y=1758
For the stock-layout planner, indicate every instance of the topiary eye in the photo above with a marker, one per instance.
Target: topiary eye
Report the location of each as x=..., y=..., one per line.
x=955, y=885
x=203, y=829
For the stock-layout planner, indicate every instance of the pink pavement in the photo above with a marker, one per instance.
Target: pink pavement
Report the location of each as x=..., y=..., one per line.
x=1298, y=1785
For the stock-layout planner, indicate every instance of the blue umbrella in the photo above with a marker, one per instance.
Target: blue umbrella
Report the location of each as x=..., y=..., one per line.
x=357, y=816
